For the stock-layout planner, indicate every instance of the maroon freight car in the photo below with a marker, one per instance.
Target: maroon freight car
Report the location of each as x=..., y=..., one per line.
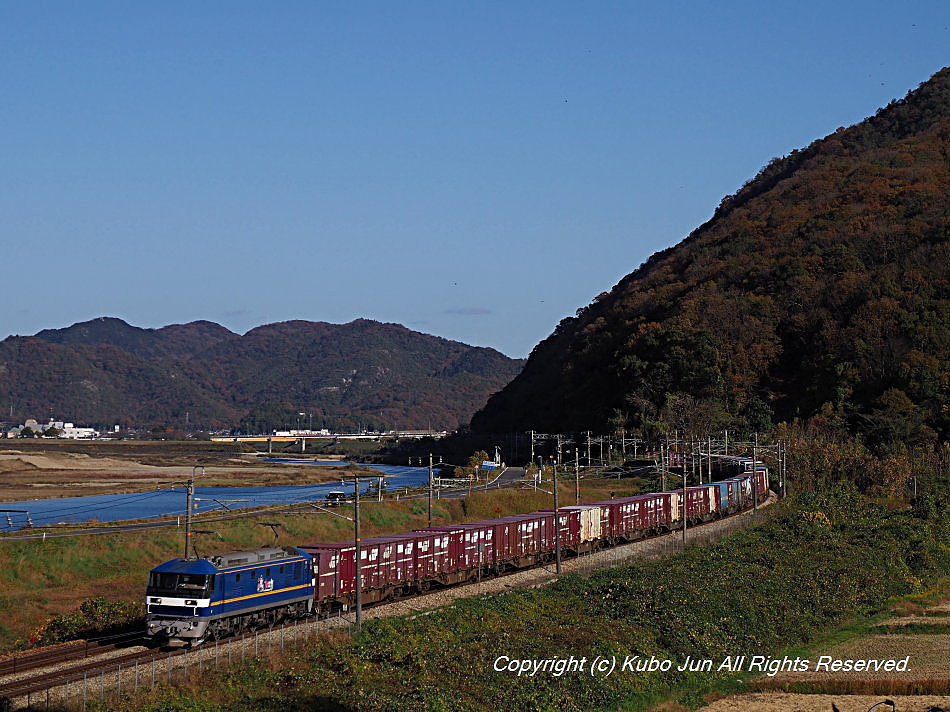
x=395, y=565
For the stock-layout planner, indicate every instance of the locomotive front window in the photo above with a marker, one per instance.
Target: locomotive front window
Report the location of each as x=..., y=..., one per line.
x=192, y=582
x=169, y=584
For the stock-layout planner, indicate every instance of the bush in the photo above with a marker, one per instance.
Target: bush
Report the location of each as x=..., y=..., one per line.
x=95, y=618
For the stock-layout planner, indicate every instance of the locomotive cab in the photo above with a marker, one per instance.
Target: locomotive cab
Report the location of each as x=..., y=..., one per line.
x=189, y=600
x=177, y=599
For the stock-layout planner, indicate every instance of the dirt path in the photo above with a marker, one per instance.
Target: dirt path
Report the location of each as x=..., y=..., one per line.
x=786, y=702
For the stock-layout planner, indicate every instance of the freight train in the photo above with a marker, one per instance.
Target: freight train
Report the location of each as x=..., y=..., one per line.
x=191, y=600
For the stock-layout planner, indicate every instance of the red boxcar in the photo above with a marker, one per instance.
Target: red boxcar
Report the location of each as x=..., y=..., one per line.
x=334, y=569
x=512, y=535
x=449, y=540
x=468, y=544
x=701, y=502
x=570, y=529
x=455, y=553
x=430, y=554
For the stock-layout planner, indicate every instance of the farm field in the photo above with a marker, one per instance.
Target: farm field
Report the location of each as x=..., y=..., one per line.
x=50, y=468
x=922, y=635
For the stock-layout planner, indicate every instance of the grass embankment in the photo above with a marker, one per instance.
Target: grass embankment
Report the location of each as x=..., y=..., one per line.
x=756, y=592
x=43, y=579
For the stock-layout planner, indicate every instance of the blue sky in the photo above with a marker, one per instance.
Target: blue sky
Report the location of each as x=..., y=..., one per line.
x=474, y=170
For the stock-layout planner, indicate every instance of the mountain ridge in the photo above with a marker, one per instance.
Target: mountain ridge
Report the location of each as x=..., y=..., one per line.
x=203, y=375
x=820, y=286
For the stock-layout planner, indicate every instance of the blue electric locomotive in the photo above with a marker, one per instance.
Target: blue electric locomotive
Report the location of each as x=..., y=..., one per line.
x=190, y=600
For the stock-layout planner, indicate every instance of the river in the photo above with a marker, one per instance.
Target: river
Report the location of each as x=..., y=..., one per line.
x=172, y=502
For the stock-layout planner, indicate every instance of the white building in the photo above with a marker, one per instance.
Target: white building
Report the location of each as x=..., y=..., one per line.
x=70, y=431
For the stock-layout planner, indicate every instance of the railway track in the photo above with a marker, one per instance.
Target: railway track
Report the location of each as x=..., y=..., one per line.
x=24, y=662
x=94, y=673
x=73, y=673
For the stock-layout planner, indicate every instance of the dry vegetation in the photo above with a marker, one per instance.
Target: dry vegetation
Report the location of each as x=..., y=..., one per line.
x=925, y=687
x=51, y=468
x=42, y=579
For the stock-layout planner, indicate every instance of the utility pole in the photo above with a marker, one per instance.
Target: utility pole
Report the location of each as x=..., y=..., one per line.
x=190, y=505
x=662, y=469
x=531, y=459
x=695, y=458
x=785, y=468
x=557, y=525
x=190, y=501
x=685, y=508
x=577, y=481
x=430, y=489
x=588, y=448
x=359, y=561
x=755, y=474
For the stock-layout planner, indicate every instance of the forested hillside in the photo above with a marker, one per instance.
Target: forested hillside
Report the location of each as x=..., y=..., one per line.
x=820, y=287
x=201, y=376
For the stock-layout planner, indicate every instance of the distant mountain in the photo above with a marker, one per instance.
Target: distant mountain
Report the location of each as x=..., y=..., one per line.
x=819, y=288
x=200, y=374
x=174, y=341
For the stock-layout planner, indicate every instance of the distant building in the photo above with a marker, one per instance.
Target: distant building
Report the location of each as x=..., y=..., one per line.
x=70, y=431
x=64, y=430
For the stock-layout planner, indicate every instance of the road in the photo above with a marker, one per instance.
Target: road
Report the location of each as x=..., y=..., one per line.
x=506, y=478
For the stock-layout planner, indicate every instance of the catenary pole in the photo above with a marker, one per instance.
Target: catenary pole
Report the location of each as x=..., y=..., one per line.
x=684, y=508
x=359, y=561
x=755, y=473
x=557, y=524
x=577, y=481
x=430, y=489
x=189, y=505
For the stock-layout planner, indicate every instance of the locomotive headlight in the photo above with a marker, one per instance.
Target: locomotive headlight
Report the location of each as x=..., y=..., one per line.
x=191, y=603
x=156, y=600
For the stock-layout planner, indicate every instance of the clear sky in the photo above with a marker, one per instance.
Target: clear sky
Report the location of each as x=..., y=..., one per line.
x=474, y=170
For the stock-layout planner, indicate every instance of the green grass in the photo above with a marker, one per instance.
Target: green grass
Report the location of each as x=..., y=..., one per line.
x=779, y=587
x=914, y=629
x=857, y=626
x=41, y=579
